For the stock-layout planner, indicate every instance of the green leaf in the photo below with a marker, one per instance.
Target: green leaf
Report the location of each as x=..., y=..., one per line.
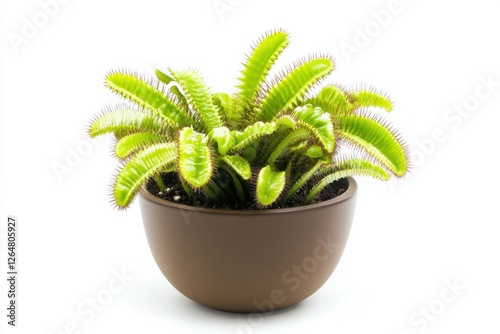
x=296, y=83
x=179, y=98
x=195, y=161
x=140, y=168
x=315, y=152
x=333, y=100
x=286, y=121
x=223, y=136
x=240, y=192
x=198, y=95
x=303, y=179
x=262, y=58
x=251, y=134
x=291, y=139
x=249, y=153
x=304, y=146
x=376, y=139
x=239, y=164
x=163, y=77
x=351, y=167
x=319, y=123
x=337, y=101
x=146, y=96
x=270, y=184
x=223, y=102
x=367, y=98
x=135, y=142
x=126, y=121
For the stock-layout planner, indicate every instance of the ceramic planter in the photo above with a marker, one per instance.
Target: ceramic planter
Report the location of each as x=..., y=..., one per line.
x=248, y=261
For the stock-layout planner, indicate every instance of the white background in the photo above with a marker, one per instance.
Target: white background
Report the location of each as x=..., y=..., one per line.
x=438, y=225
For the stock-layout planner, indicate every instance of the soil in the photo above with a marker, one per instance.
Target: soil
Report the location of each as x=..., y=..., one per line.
x=174, y=192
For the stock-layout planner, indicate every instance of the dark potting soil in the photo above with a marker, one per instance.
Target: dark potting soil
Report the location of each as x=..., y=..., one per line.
x=174, y=192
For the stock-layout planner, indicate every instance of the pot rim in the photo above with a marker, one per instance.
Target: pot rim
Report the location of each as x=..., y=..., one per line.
x=350, y=191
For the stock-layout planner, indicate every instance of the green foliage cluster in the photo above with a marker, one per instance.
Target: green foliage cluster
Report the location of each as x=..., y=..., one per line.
x=276, y=140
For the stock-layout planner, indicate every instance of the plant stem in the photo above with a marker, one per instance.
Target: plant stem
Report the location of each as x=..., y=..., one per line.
x=291, y=139
x=160, y=183
x=303, y=180
x=214, y=192
x=323, y=183
x=211, y=194
x=187, y=189
x=239, y=188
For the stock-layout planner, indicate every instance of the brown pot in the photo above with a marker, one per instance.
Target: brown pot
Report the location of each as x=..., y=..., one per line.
x=247, y=261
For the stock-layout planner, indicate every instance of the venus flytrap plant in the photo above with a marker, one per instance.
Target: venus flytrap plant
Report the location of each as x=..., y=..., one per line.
x=272, y=143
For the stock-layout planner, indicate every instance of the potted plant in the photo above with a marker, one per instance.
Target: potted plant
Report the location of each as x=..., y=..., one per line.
x=247, y=198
